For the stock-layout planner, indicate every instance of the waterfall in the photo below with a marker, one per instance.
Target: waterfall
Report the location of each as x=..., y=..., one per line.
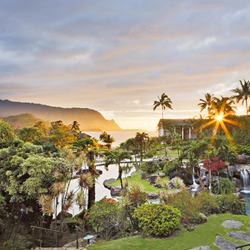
x=245, y=180
x=195, y=185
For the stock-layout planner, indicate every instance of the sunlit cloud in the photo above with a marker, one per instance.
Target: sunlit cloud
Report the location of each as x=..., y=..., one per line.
x=119, y=56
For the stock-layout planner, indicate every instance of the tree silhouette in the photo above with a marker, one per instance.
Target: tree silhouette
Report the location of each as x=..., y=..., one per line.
x=164, y=102
x=243, y=93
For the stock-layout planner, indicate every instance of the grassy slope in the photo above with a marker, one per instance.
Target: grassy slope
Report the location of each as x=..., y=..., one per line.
x=204, y=234
x=137, y=178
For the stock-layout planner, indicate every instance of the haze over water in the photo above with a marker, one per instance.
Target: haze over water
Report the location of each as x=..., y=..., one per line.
x=121, y=136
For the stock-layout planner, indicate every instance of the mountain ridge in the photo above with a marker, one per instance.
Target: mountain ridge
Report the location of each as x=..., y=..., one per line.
x=89, y=119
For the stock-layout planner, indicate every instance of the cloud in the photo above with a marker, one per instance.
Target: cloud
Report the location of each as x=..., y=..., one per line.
x=118, y=56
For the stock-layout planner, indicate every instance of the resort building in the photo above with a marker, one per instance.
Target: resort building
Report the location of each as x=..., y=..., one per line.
x=182, y=126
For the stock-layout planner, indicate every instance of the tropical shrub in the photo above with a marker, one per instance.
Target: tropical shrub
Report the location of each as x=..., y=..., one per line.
x=231, y=203
x=241, y=149
x=157, y=219
x=103, y=217
x=178, y=182
x=131, y=198
x=185, y=203
x=225, y=186
x=149, y=167
x=170, y=167
x=137, y=195
x=162, y=164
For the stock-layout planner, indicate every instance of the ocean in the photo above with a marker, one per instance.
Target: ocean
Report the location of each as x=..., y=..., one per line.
x=121, y=136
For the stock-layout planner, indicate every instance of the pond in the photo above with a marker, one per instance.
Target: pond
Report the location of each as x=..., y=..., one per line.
x=246, y=196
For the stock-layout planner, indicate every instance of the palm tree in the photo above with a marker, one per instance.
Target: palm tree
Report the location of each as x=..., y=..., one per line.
x=166, y=125
x=116, y=157
x=164, y=102
x=223, y=105
x=140, y=138
x=206, y=103
x=75, y=126
x=106, y=138
x=92, y=170
x=242, y=93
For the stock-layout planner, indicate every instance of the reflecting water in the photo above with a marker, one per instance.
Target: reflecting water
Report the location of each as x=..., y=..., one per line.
x=246, y=196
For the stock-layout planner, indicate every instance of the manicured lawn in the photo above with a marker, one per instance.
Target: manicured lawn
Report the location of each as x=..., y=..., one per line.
x=204, y=234
x=137, y=178
x=172, y=154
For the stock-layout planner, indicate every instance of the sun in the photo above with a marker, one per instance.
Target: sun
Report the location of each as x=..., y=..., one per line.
x=219, y=117
x=219, y=120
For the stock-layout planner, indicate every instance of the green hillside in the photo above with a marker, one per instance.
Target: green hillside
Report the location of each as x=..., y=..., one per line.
x=21, y=121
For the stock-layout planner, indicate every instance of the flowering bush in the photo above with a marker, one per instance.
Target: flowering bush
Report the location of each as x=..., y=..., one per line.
x=231, y=203
x=157, y=219
x=185, y=203
x=191, y=207
x=207, y=203
x=103, y=217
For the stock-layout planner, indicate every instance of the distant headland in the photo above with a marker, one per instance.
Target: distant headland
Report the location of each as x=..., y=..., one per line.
x=89, y=119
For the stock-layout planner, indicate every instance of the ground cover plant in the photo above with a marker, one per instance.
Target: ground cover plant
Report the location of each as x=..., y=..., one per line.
x=204, y=234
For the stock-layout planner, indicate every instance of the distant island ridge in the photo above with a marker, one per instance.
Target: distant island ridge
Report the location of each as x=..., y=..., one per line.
x=22, y=114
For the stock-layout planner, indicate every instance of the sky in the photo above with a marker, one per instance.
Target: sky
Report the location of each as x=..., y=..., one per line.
x=117, y=56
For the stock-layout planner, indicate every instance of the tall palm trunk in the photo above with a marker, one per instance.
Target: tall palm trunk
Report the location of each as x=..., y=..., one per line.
x=120, y=175
x=141, y=151
x=91, y=194
x=166, y=153
x=246, y=107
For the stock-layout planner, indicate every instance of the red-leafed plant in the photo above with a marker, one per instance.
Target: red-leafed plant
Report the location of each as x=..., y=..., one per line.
x=215, y=166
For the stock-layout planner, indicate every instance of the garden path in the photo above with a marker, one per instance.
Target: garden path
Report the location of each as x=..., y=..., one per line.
x=225, y=244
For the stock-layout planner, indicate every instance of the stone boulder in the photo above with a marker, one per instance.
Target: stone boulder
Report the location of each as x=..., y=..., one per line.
x=153, y=195
x=237, y=172
x=116, y=190
x=144, y=176
x=157, y=185
x=231, y=171
x=152, y=178
x=106, y=185
x=161, y=175
x=186, y=176
x=244, y=159
x=65, y=215
x=236, y=182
